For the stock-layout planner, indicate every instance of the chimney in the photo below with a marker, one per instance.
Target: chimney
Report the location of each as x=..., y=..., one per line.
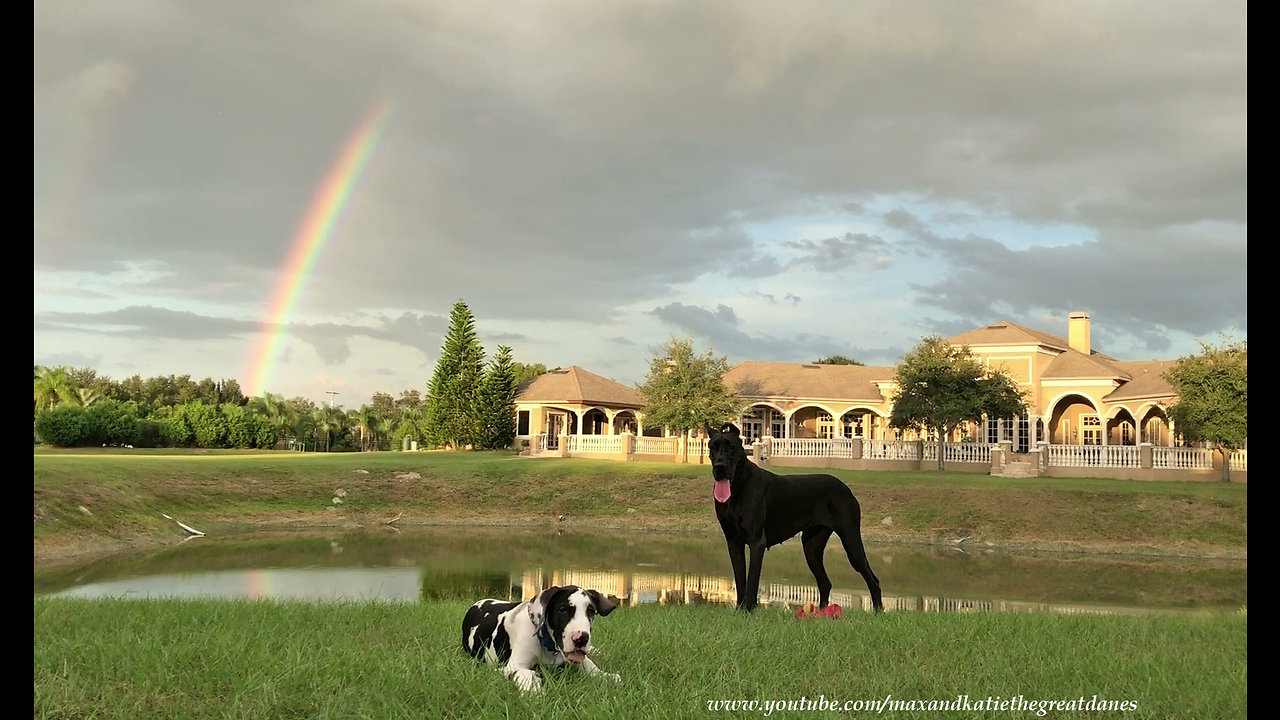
x=1078, y=331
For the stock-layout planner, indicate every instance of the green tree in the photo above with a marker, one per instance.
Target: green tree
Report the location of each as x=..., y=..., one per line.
x=526, y=373
x=942, y=385
x=330, y=423
x=411, y=425
x=52, y=386
x=87, y=396
x=837, y=360
x=366, y=421
x=497, y=403
x=207, y=424
x=684, y=390
x=451, y=394
x=276, y=411
x=1213, y=397
x=410, y=398
x=240, y=432
x=304, y=429
x=229, y=391
x=133, y=388
x=175, y=427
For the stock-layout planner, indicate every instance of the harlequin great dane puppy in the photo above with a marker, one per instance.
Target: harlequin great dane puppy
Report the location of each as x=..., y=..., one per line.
x=553, y=628
x=759, y=509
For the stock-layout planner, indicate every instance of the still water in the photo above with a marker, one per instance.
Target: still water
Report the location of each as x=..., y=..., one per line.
x=469, y=564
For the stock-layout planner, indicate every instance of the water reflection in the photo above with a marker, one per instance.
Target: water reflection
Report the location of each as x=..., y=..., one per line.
x=400, y=584
x=453, y=564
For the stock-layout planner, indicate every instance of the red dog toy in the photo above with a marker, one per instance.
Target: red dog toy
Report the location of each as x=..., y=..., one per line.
x=812, y=611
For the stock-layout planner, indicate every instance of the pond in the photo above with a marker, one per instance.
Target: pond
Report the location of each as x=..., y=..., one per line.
x=469, y=564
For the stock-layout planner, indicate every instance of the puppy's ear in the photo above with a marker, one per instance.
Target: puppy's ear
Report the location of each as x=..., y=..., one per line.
x=729, y=428
x=603, y=604
x=538, y=605
x=707, y=427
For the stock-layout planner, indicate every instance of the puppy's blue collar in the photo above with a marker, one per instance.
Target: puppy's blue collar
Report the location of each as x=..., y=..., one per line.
x=544, y=637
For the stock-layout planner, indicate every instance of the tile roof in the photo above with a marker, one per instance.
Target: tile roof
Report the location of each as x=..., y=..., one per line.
x=1075, y=364
x=1004, y=332
x=1147, y=381
x=577, y=386
x=805, y=380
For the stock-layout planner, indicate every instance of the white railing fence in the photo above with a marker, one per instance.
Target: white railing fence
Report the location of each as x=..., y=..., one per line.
x=1094, y=456
x=595, y=443
x=890, y=450
x=1240, y=460
x=657, y=445
x=1182, y=458
x=966, y=452
x=798, y=447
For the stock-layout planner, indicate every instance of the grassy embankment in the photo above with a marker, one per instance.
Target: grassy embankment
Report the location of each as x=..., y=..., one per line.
x=104, y=500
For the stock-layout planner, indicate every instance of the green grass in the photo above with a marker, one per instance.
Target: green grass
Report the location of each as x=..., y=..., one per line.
x=125, y=491
x=211, y=659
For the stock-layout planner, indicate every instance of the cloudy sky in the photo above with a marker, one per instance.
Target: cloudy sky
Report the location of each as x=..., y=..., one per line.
x=778, y=181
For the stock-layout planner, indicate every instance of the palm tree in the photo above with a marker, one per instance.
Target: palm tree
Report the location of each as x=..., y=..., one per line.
x=276, y=411
x=413, y=423
x=304, y=427
x=52, y=386
x=329, y=420
x=366, y=419
x=85, y=397
x=381, y=431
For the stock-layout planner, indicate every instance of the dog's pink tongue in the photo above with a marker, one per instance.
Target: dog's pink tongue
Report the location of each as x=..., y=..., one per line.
x=721, y=491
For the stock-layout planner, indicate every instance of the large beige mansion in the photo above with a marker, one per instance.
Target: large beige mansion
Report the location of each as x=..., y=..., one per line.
x=1085, y=409
x=1076, y=395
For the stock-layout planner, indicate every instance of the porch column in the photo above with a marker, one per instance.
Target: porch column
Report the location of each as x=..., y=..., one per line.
x=1106, y=429
x=1031, y=430
x=609, y=416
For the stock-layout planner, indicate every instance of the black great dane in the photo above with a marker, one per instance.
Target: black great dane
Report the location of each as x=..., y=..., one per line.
x=760, y=509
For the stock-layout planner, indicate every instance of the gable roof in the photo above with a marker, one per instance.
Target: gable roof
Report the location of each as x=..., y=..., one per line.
x=574, y=385
x=1075, y=364
x=1004, y=332
x=1146, y=381
x=807, y=380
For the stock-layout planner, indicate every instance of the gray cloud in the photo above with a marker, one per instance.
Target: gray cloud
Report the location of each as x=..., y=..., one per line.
x=627, y=152
x=1101, y=277
x=719, y=328
x=330, y=340
x=837, y=253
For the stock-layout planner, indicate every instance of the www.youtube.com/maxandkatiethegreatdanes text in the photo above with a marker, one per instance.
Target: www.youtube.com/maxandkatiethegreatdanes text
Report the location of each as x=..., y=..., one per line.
x=961, y=703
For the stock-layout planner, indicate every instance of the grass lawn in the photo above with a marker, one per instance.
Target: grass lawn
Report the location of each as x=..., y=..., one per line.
x=216, y=659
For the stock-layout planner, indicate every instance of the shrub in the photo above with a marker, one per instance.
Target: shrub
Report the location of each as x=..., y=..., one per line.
x=63, y=426
x=109, y=422
x=149, y=434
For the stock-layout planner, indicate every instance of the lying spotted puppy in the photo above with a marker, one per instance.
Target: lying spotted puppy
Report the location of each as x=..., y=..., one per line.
x=553, y=628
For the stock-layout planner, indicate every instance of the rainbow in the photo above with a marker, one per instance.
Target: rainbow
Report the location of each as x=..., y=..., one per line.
x=258, y=585
x=317, y=225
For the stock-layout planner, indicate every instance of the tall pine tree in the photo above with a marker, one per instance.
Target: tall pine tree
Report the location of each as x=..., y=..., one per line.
x=451, y=394
x=497, y=402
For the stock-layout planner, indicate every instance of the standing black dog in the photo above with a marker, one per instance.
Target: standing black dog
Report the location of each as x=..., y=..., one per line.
x=761, y=509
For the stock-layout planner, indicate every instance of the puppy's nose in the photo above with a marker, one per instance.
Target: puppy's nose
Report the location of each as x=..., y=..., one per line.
x=580, y=638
